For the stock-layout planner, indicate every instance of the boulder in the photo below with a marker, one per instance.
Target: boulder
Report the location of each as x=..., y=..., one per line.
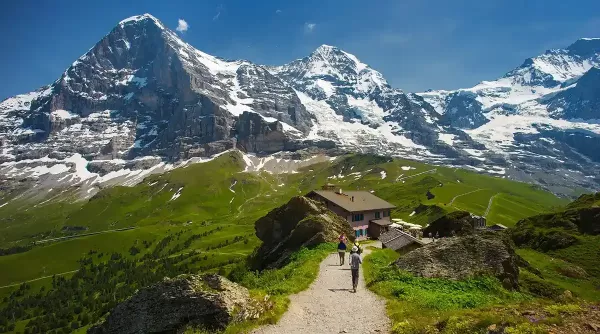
x=485, y=253
x=209, y=301
x=301, y=222
x=461, y=222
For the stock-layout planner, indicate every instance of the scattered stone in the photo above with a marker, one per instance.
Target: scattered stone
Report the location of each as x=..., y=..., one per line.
x=593, y=326
x=566, y=296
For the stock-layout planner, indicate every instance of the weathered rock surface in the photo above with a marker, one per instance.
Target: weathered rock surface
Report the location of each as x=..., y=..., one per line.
x=461, y=222
x=300, y=222
x=210, y=301
x=485, y=253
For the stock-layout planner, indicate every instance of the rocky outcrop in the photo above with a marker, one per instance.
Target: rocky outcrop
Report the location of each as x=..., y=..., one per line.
x=208, y=301
x=301, y=222
x=458, y=222
x=464, y=257
x=562, y=229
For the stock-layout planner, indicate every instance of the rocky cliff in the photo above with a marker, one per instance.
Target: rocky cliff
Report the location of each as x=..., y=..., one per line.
x=301, y=222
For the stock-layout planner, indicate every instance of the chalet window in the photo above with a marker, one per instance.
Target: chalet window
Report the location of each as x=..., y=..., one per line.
x=386, y=213
x=360, y=233
x=378, y=214
x=356, y=233
x=358, y=217
x=365, y=232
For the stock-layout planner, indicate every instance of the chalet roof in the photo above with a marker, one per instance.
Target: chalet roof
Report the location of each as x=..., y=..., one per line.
x=381, y=222
x=499, y=226
x=395, y=239
x=354, y=201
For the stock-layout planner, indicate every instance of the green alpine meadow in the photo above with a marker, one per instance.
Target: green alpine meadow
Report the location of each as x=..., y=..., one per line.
x=66, y=264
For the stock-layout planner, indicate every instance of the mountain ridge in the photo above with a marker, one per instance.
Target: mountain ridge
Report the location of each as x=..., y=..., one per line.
x=143, y=94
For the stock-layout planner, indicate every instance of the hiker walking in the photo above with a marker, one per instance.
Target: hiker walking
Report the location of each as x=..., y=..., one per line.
x=359, y=249
x=355, y=262
x=342, y=251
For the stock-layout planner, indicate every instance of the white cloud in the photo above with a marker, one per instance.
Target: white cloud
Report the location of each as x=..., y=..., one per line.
x=219, y=10
x=182, y=26
x=309, y=27
x=278, y=11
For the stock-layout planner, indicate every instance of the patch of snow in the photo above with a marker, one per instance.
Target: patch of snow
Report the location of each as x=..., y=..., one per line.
x=232, y=185
x=383, y=174
x=176, y=194
x=326, y=86
x=63, y=114
x=407, y=168
x=80, y=167
x=447, y=138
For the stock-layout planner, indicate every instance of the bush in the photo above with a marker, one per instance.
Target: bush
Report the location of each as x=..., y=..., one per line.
x=563, y=309
x=538, y=286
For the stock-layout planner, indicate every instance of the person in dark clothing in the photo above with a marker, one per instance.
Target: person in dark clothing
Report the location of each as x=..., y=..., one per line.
x=355, y=262
x=342, y=252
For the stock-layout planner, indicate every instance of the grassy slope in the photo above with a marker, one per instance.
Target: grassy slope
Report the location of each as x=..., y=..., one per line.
x=206, y=196
x=149, y=207
x=420, y=305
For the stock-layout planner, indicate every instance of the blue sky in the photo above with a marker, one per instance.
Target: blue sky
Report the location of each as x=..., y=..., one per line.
x=415, y=44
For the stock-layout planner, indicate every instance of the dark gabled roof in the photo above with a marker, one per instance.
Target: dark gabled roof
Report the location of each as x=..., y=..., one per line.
x=396, y=239
x=363, y=200
x=381, y=222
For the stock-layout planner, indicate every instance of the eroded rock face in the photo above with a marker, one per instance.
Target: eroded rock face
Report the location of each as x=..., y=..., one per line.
x=210, y=301
x=300, y=222
x=464, y=257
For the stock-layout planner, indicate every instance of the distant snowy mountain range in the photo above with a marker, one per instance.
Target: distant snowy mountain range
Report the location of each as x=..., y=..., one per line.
x=142, y=99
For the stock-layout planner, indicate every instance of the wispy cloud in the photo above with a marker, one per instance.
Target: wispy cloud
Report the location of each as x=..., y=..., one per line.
x=394, y=38
x=219, y=10
x=182, y=26
x=278, y=11
x=309, y=27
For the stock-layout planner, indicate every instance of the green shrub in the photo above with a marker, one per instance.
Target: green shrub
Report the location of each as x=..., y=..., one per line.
x=526, y=328
x=538, y=286
x=563, y=309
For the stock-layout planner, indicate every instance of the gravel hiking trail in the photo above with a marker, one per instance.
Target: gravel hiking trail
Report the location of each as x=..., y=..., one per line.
x=329, y=305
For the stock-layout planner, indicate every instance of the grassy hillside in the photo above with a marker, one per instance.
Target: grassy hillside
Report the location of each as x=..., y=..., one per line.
x=563, y=252
x=201, y=218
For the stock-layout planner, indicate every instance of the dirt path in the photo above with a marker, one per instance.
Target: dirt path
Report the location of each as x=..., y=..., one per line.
x=39, y=278
x=399, y=178
x=457, y=196
x=487, y=211
x=329, y=306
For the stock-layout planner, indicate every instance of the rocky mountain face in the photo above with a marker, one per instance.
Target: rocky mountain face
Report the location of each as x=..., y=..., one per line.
x=141, y=100
x=541, y=117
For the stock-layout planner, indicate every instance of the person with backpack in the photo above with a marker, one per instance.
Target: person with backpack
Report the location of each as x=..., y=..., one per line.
x=342, y=251
x=355, y=262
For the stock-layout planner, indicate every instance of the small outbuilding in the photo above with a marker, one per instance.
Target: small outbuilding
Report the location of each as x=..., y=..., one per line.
x=497, y=227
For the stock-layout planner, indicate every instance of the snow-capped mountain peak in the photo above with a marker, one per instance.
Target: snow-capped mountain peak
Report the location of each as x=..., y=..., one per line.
x=140, y=19
x=142, y=95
